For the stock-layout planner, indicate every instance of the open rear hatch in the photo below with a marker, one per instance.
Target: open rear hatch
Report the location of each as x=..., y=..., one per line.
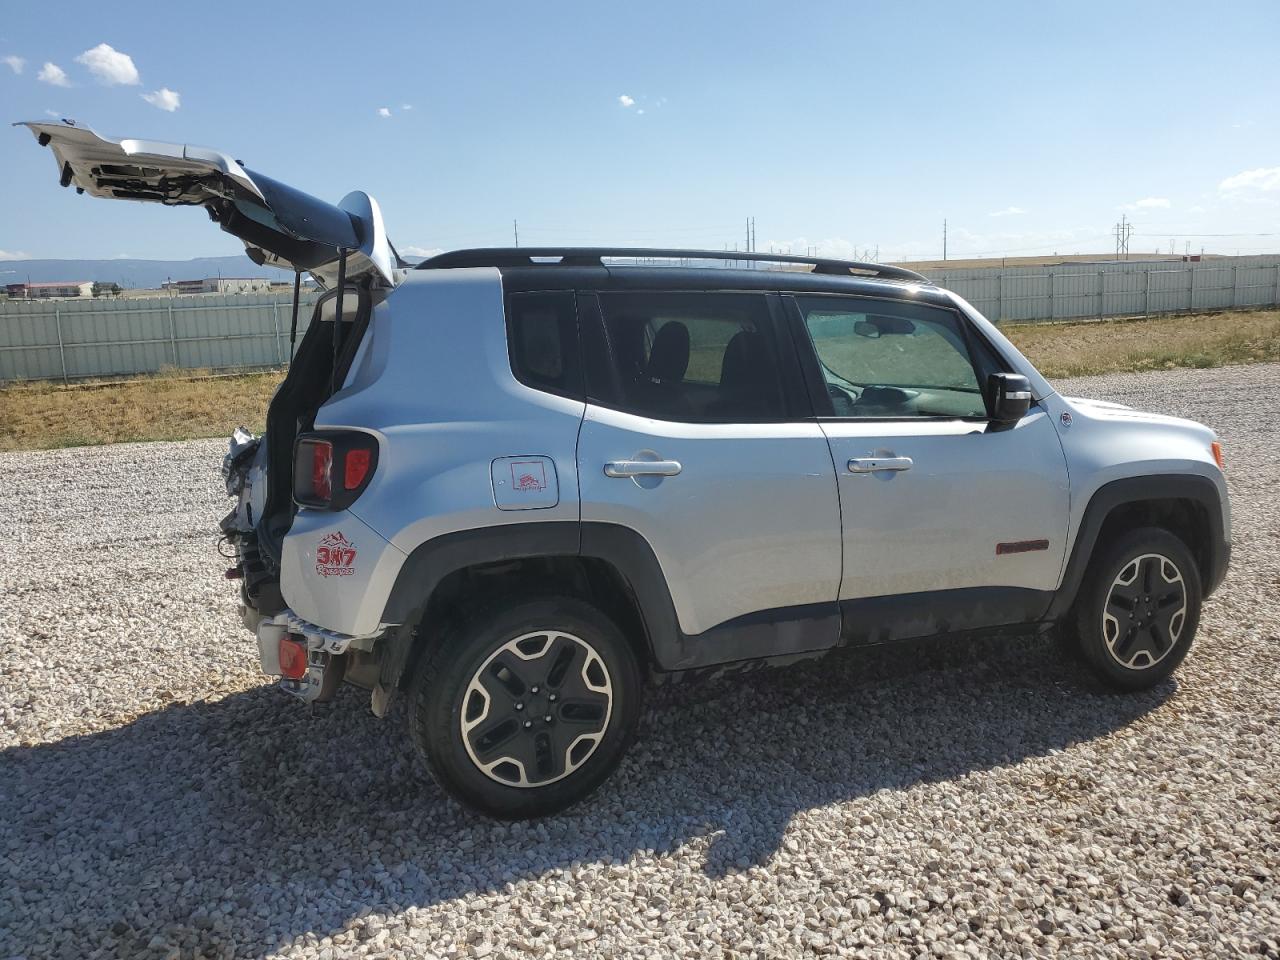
x=345, y=247
x=278, y=224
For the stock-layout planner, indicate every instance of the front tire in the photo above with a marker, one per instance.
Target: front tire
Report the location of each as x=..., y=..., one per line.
x=524, y=711
x=1139, y=609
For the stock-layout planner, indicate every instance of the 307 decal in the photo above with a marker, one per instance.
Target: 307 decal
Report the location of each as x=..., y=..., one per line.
x=335, y=556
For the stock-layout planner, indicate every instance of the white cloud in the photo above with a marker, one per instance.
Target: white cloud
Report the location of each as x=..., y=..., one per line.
x=13, y=255
x=406, y=106
x=384, y=112
x=53, y=75
x=1007, y=212
x=1260, y=180
x=413, y=251
x=1196, y=209
x=1148, y=203
x=109, y=66
x=14, y=63
x=53, y=113
x=627, y=101
x=164, y=99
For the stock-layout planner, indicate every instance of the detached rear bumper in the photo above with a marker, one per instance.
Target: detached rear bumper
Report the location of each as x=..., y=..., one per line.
x=325, y=649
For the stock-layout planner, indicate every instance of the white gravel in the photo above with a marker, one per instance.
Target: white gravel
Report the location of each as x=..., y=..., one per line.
x=158, y=798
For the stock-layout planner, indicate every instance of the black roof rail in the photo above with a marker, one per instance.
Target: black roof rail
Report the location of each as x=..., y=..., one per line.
x=594, y=257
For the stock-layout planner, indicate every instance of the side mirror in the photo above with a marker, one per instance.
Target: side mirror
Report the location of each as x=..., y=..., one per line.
x=1010, y=397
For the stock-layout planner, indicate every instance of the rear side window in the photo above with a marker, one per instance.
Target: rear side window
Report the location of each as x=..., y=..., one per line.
x=542, y=339
x=694, y=357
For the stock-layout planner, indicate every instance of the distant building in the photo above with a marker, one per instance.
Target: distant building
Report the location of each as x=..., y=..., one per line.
x=46, y=291
x=220, y=285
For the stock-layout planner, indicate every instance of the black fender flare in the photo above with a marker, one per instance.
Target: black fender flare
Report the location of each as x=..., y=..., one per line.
x=1128, y=490
x=428, y=564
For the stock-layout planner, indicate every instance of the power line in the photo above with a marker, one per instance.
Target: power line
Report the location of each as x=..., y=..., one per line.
x=1181, y=235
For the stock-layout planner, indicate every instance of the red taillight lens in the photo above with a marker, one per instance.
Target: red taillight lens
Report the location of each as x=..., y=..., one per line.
x=332, y=468
x=356, y=468
x=321, y=469
x=293, y=658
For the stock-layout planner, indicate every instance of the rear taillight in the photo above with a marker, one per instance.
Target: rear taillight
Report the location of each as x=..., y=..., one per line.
x=321, y=469
x=293, y=657
x=1216, y=447
x=355, y=467
x=332, y=468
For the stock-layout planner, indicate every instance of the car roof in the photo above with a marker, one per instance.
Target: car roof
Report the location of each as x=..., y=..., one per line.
x=596, y=268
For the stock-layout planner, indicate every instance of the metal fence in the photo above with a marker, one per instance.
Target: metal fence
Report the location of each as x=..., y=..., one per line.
x=1116, y=289
x=75, y=340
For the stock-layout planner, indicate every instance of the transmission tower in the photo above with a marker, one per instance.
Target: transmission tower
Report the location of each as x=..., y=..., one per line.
x=1122, y=231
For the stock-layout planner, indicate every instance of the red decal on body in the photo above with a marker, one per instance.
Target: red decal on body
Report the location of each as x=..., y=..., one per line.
x=336, y=556
x=528, y=475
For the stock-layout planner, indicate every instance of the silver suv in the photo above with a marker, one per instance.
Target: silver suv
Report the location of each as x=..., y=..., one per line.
x=513, y=485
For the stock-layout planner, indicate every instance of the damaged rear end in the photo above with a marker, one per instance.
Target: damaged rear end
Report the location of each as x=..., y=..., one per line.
x=345, y=247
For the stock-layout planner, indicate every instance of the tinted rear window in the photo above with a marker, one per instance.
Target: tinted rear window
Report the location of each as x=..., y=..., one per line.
x=694, y=357
x=542, y=339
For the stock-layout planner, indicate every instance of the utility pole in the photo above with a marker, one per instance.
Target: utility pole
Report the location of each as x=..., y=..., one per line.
x=515, y=228
x=944, y=241
x=1122, y=231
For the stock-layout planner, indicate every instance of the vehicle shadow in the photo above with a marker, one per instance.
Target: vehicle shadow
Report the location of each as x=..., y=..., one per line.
x=200, y=822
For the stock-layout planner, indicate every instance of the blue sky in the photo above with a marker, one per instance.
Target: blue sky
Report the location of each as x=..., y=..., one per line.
x=1031, y=127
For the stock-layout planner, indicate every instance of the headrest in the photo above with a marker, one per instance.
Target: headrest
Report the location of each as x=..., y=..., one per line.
x=746, y=363
x=669, y=357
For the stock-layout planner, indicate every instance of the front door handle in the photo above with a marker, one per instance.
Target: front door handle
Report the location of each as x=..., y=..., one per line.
x=642, y=468
x=879, y=464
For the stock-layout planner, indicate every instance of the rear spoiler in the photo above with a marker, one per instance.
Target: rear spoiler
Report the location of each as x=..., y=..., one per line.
x=278, y=224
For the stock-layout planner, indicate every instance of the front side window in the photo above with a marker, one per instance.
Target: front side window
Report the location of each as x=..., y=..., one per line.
x=892, y=360
x=694, y=357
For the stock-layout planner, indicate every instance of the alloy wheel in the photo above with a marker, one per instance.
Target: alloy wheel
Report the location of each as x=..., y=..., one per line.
x=1145, y=611
x=536, y=709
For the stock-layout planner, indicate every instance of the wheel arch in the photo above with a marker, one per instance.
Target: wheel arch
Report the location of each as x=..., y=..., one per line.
x=610, y=566
x=1187, y=505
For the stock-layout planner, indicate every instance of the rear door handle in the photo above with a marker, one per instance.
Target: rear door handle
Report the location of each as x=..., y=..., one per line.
x=879, y=464
x=642, y=468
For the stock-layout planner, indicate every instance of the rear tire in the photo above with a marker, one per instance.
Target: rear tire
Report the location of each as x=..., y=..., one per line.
x=524, y=711
x=1138, y=608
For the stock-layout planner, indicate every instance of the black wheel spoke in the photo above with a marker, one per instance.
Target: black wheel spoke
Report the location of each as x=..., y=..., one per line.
x=1159, y=641
x=1124, y=601
x=589, y=713
x=1124, y=645
x=503, y=679
x=562, y=661
x=490, y=740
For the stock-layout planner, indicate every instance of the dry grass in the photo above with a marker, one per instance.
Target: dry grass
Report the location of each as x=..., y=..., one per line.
x=1151, y=343
x=179, y=407
x=167, y=407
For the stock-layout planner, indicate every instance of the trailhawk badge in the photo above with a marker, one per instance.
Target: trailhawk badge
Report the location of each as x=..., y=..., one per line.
x=336, y=556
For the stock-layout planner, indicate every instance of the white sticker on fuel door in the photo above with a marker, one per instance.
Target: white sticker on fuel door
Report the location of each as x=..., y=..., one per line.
x=525, y=483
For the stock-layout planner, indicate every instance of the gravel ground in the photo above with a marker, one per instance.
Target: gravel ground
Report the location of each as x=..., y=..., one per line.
x=157, y=798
